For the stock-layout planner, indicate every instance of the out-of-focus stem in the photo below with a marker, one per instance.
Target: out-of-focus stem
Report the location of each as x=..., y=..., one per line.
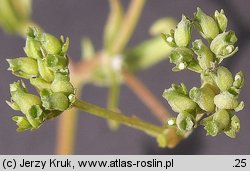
x=113, y=98
x=128, y=26
x=144, y=94
x=66, y=130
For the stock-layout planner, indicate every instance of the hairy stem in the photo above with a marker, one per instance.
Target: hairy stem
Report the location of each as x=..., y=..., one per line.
x=133, y=121
x=128, y=26
x=144, y=94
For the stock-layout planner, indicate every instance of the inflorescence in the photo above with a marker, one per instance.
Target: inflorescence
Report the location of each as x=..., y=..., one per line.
x=215, y=102
x=46, y=67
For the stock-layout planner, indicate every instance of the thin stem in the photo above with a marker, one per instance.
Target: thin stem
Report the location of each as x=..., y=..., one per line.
x=114, y=92
x=113, y=98
x=66, y=130
x=128, y=26
x=133, y=121
x=144, y=94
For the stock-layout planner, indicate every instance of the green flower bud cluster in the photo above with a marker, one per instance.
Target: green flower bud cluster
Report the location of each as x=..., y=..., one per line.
x=218, y=95
x=46, y=67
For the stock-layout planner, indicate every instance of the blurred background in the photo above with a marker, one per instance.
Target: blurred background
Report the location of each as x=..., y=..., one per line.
x=77, y=18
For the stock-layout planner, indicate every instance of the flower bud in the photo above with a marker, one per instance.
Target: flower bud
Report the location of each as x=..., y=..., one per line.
x=182, y=34
x=212, y=128
x=234, y=127
x=169, y=38
x=54, y=101
x=216, y=123
x=57, y=63
x=185, y=121
x=19, y=93
x=35, y=116
x=32, y=47
x=22, y=123
x=224, y=78
x=240, y=107
x=51, y=44
x=205, y=55
x=65, y=45
x=204, y=97
x=44, y=71
x=221, y=20
x=30, y=106
x=23, y=67
x=222, y=119
x=39, y=83
x=226, y=100
x=223, y=45
x=206, y=25
x=61, y=83
x=207, y=80
x=182, y=57
x=178, y=99
x=238, y=80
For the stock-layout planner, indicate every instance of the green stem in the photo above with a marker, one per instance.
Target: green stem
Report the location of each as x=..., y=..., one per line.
x=114, y=91
x=133, y=121
x=113, y=98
